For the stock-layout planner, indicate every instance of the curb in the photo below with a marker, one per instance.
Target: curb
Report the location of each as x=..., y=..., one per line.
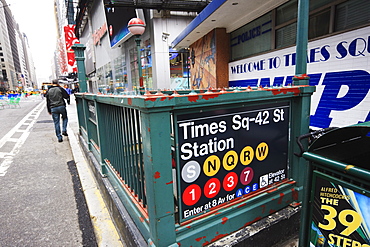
x=105, y=231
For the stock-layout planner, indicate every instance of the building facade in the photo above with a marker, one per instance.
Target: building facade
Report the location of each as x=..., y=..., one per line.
x=17, y=69
x=65, y=66
x=262, y=52
x=111, y=57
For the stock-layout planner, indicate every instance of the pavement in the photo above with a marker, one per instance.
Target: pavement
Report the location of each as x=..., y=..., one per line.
x=104, y=228
x=39, y=187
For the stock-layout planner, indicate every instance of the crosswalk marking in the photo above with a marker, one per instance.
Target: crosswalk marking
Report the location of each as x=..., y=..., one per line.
x=9, y=156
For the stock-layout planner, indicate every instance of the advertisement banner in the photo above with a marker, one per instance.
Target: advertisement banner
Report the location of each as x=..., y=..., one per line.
x=337, y=66
x=70, y=39
x=227, y=153
x=340, y=214
x=117, y=20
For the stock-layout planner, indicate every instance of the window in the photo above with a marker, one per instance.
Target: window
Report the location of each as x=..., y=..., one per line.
x=180, y=69
x=352, y=14
x=316, y=4
x=326, y=17
x=286, y=36
x=286, y=12
x=146, y=68
x=105, y=81
x=120, y=74
x=319, y=24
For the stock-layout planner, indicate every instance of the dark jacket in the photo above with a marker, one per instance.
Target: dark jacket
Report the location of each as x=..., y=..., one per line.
x=55, y=97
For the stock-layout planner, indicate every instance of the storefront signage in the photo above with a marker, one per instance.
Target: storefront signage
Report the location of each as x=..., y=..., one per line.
x=340, y=215
x=99, y=33
x=225, y=154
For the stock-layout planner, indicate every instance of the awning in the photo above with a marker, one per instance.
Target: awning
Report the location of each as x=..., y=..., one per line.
x=229, y=14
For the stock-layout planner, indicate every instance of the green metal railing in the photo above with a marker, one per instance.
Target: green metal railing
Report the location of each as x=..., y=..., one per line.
x=125, y=154
x=137, y=141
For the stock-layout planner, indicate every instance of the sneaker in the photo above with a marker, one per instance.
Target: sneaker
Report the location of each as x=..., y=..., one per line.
x=65, y=134
x=60, y=140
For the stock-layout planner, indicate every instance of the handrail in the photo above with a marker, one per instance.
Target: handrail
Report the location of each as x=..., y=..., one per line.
x=338, y=166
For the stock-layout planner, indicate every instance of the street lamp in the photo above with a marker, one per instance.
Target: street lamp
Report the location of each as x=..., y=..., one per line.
x=137, y=27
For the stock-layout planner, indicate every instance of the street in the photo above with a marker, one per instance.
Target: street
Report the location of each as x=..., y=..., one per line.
x=42, y=203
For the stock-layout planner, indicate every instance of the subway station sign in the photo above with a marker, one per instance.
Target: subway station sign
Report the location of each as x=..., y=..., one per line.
x=228, y=153
x=340, y=214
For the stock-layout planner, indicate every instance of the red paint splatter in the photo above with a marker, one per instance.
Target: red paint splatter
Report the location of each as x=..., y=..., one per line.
x=294, y=194
x=281, y=198
x=198, y=239
x=188, y=227
x=219, y=237
x=210, y=96
x=295, y=90
x=150, y=99
x=272, y=211
x=272, y=190
x=251, y=222
x=157, y=175
x=168, y=97
x=295, y=204
x=193, y=98
x=129, y=101
x=263, y=208
x=171, y=182
x=302, y=77
x=224, y=220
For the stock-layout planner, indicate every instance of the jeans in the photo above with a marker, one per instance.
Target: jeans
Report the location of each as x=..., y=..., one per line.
x=56, y=112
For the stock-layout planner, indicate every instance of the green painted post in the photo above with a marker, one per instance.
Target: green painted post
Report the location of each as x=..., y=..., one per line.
x=81, y=115
x=156, y=129
x=101, y=138
x=302, y=40
x=138, y=41
x=302, y=168
x=80, y=59
x=301, y=78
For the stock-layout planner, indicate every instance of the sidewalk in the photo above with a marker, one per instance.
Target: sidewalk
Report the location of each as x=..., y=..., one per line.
x=42, y=201
x=104, y=228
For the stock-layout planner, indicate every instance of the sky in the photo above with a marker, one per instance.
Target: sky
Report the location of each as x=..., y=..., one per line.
x=36, y=19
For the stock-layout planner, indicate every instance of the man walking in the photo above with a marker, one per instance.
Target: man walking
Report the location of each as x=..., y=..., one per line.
x=56, y=106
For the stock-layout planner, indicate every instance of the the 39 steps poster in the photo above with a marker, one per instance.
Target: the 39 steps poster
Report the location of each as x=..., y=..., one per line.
x=340, y=214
